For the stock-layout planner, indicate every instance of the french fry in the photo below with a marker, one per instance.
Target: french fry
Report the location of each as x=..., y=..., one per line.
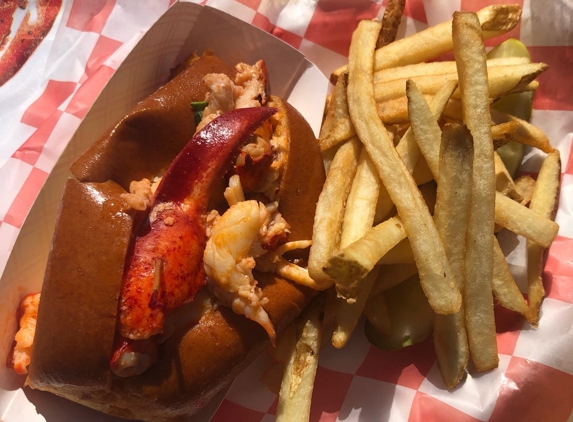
x=437, y=68
x=524, y=221
x=504, y=288
x=525, y=185
x=503, y=133
x=503, y=181
x=508, y=213
x=358, y=218
x=330, y=210
x=451, y=216
x=361, y=202
x=429, y=251
x=407, y=148
x=469, y=52
x=409, y=151
x=390, y=22
x=434, y=41
x=298, y=380
x=349, y=312
x=337, y=126
x=544, y=203
x=358, y=259
x=502, y=80
x=526, y=134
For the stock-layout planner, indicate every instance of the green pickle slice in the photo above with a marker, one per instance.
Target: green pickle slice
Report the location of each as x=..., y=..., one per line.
x=410, y=314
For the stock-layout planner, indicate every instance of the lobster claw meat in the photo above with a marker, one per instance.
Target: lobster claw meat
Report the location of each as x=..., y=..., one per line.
x=164, y=267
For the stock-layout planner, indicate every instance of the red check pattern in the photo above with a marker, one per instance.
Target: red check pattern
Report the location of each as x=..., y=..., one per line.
x=535, y=378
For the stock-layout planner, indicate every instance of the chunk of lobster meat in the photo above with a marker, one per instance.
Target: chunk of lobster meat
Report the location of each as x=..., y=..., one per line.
x=133, y=357
x=252, y=84
x=255, y=158
x=28, y=315
x=249, y=89
x=239, y=236
x=164, y=267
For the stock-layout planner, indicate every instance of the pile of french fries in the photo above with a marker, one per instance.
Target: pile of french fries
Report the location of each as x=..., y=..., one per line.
x=415, y=192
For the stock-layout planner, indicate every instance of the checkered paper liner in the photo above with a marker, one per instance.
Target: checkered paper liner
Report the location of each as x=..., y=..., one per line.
x=359, y=383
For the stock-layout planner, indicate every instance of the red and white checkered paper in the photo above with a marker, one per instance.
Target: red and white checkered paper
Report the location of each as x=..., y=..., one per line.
x=534, y=381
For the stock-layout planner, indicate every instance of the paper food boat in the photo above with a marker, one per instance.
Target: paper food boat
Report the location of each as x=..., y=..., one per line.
x=184, y=28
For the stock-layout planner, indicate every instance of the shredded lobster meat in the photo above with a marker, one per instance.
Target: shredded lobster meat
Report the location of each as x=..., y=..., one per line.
x=24, y=338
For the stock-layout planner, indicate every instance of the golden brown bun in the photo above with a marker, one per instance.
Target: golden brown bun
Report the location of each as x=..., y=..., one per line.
x=147, y=139
x=200, y=358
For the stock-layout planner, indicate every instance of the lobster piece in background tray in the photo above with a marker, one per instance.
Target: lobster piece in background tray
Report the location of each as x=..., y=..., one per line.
x=175, y=301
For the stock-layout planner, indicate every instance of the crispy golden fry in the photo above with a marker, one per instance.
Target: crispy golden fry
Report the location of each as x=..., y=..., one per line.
x=526, y=134
x=391, y=275
x=503, y=181
x=424, y=126
x=544, y=203
x=298, y=380
x=469, y=51
x=524, y=221
x=358, y=218
x=349, y=312
x=508, y=213
x=296, y=273
x=525, y=185
x=330, y=210
x=451, y=216
x=504, y=288
x=503, y=133
x=390, y=22
x=437, y=40
x=502, y=80
x=384, y=207
x=437, y=68
x=337, y=126
x=358, y=259
x=409, y=151
x=429, y=251
x=395, y=111
x=408, y=148
x=361, y=202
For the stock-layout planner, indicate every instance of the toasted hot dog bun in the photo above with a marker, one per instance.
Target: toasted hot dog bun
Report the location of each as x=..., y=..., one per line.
x=78, y=311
